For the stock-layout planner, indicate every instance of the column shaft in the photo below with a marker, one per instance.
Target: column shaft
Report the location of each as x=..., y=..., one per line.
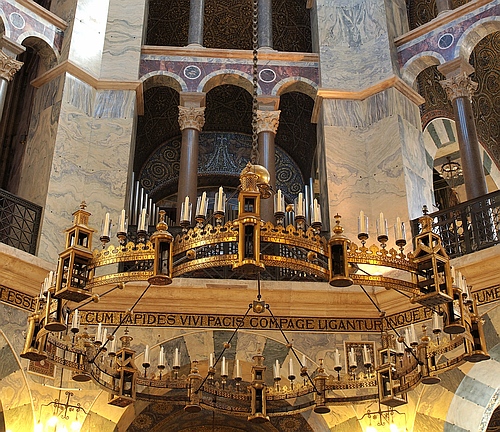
x=196, y=15
x=267, y=126
x=191, y=121
x=188, y=170
x=470, y=155
x=265, y=24
x=267, y=159
x=459, y=89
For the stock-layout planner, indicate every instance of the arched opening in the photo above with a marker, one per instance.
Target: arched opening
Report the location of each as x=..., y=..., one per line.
x=19, y=111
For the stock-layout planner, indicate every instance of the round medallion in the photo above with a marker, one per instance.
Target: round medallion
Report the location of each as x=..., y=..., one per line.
x=445, y=41
x=267, y=75
x=192, y=72
x=17, y=20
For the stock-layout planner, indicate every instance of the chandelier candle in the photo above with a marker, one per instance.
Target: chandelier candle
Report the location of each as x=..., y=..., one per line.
x=121, y=223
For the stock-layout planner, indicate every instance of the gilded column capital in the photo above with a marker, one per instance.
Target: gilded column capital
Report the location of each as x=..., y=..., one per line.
x=268, y=121
x=460, y=85
x=8, y=66
x=191, y=117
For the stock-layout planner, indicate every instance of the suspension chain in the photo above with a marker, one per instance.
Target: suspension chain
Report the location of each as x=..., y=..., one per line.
x=254, y=157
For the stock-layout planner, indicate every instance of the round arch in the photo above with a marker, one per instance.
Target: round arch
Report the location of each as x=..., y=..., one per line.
x=41, y=45
x=163, y=79
x=296, y=84
x=418, y=63
x=227, y=76
x=474, y=34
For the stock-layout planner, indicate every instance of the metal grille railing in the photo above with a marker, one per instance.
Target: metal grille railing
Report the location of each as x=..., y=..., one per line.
x=469, y=226
x=19, y=222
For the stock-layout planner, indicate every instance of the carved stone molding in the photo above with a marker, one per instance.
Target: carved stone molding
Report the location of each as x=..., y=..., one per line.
x=8, y=66
x=268, y=121
x=460, y=85
x=191, y=117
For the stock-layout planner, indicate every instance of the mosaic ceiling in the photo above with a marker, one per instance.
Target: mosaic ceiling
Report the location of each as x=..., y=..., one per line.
x=228, y=24
x=486, y=61
x=422, y=11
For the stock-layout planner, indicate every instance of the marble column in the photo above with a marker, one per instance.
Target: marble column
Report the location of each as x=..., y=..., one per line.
x=459, y=88
x=191, y=121
x=443, y=6
x=267, y=126
x=196, y=14
x=265, y=24
x=8, y=68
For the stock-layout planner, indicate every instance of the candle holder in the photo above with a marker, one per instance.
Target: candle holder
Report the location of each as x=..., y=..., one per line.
x=104, y=240
x=141, y=236
x=211, y=375
x=303, y=373
x=337, y=368
x=185, y=225
x=368, y=367
x=122, y=238
x=277, y=380
x=301, y=222
x=146, y=366
x=317, y=226
x=291, y=378
x=352, y=370
x=401, y=243
x=161, y=368
x=363, y=237
x=200, y=221
x=219, y=217
x=382, y=239
x=280, y=218
x=176, y=369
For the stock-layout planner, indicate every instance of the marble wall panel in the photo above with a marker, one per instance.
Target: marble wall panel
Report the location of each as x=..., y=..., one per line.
x=122, y=46
x=87, y=35
x=13, y=324
x=354, y=43
x=90, y=164
x=37, y=160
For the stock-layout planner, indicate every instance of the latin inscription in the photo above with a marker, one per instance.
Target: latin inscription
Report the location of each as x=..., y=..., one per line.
x=257, y=322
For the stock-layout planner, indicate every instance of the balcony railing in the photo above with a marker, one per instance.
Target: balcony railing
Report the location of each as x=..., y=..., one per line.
x=468, y=227
x=19, y=222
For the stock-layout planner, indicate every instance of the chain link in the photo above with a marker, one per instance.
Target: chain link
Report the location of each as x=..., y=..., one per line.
x=254, y=157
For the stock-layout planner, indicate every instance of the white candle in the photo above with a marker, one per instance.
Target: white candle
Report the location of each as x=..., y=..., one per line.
x=367, y=358
x=304, y=360
x=142, y=220
x=316, y=211
x=279, y=203
x=161, y=357
x=400, y=348
x=407, y=335
x=300, y=205
x=277, y=372
x=122, y=222
x=51, y=280
x=211, y=361
x=220, y=200
x=204, y=203
x=105, y=227
x=75, y=323
x=98, y=334
x=113, y=346
x=398, y=229
x=223, y=369
x=337, y=363
x=413, y=334
x=186, y=216
x=104, y=335
x=382, y=225
x=352, y=359
x=238, y=369
x=290, y=368
x=198, y=206
x=146, y=354
x=362, y=223
x=176, y=358
x=436, y=325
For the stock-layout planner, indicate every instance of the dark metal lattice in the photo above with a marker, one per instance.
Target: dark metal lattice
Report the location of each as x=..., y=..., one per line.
x=468, y=227
x=19, y=222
